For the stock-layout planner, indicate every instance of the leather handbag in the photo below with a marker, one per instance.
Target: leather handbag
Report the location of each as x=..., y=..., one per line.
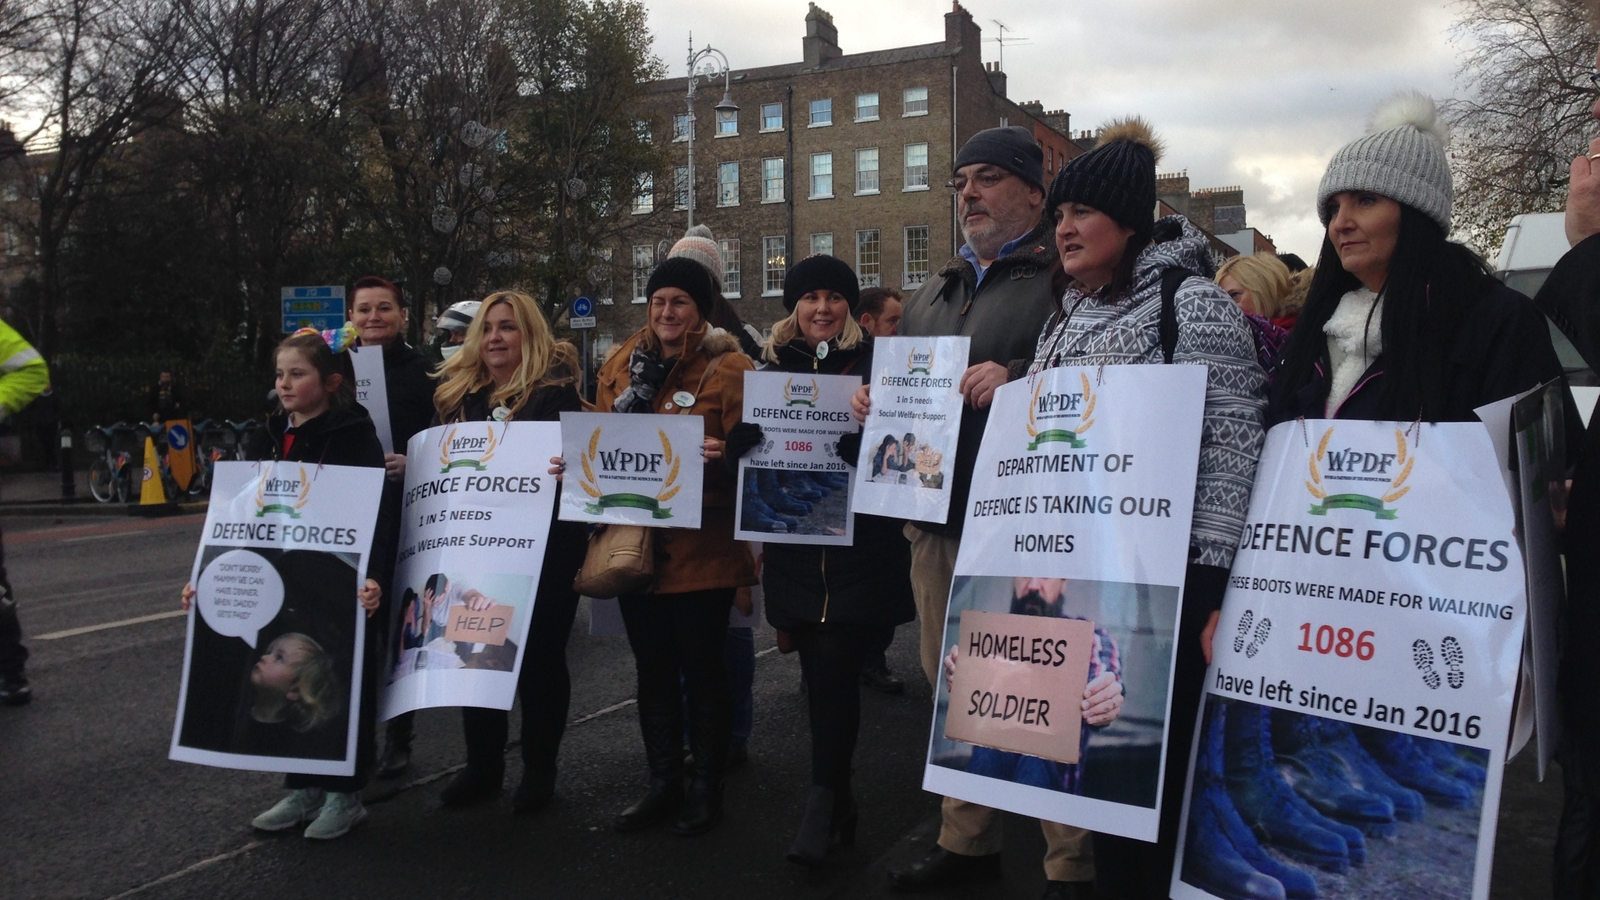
x=620, y=560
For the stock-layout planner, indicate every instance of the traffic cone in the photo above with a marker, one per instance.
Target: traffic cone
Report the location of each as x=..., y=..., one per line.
x=151, y=491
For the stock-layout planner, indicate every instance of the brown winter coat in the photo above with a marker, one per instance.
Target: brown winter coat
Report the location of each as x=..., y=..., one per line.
x=689, y=559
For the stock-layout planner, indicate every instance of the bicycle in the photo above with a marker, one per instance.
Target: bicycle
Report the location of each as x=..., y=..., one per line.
x=111, y=474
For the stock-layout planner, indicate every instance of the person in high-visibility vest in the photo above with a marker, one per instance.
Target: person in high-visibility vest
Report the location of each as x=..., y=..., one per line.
x=23, y=376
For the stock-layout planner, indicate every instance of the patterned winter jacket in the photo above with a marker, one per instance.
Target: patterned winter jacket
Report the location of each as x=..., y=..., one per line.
x=1090, y=330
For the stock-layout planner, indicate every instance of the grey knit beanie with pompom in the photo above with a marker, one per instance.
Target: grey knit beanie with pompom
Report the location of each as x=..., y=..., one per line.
x=1402, y=157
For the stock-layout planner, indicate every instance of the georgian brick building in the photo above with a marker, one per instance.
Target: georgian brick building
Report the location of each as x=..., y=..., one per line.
x=838, y=153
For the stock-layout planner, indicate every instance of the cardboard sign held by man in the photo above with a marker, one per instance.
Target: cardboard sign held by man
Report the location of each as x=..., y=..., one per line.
x=1019, y=683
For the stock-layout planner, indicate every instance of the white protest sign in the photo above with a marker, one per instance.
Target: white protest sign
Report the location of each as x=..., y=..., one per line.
x=908, y=447
x=273, y=661
x=475, y=517
x=1081, y=508
x=633, y=469
x=793, y=487
x=1372, y=629
x=1541, y=467
x=372, y=391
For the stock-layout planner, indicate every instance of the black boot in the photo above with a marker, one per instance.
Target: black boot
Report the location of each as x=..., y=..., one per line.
x=708, y=737
x=662, y=730
x=396, y=758
x=474, y=784
x=810, y=845
x=537, y=789
x=943, y=869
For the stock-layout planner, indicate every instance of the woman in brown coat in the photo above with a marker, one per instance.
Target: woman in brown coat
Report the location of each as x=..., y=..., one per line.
x=678, y=365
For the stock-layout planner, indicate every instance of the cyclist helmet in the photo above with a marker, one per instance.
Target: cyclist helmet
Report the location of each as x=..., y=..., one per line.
x=450, y=330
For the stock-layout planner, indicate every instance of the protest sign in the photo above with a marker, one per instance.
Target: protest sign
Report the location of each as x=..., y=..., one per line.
x=372, y=391
x=908, y=447
x=793, y=487
x=1020, y=684
x=1081, y=509
x=273, y=662
x=474, y=520
x=1539, y=456
x=633, y=469
x=1362, y=671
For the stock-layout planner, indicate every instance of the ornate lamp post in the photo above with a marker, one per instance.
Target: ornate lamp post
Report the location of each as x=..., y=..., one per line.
x=712, y=64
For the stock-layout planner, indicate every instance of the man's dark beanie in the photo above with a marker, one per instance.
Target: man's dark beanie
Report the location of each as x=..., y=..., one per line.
x=821, y=273
x=1012, y=148
x=1117, y=177
x=686, y=275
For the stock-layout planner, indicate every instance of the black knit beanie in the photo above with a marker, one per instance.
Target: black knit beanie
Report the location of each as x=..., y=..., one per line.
x=1012, y=148
x=1118, y=177
x=686, y=275
x=824, y=273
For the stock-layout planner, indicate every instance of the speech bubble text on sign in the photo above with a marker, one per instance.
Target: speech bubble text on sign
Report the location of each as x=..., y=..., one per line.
x=238, y=593
x=1019, y=684
x=488, y=626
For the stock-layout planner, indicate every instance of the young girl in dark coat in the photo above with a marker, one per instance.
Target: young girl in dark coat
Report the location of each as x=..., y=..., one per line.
x=319, y=423
x=832, y=601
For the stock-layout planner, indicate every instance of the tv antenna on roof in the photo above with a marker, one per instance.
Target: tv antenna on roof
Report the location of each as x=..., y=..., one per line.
x=1001, y=40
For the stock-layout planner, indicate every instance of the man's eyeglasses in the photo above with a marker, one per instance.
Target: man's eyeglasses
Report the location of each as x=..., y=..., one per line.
x=986, y=180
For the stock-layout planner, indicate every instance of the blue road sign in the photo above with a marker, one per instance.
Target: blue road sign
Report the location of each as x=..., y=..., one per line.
x=582, y=307
x=320, y=307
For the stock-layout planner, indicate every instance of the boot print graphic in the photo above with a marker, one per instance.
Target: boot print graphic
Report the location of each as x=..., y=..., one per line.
x=1245, y=621
x=1422, y=651
x=1450, y=650
x=1262, y=629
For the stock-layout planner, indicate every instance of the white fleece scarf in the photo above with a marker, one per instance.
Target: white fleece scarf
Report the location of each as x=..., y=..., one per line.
x=1349, y=350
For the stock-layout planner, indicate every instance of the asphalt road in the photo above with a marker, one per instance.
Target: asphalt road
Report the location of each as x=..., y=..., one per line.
x=90, y=807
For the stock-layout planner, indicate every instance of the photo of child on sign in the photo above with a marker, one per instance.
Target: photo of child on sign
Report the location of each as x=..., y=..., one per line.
x=460, y=622
x=1074, y=704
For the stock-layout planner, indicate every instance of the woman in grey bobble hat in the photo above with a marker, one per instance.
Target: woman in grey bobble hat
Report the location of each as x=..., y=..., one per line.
x=1402, y=323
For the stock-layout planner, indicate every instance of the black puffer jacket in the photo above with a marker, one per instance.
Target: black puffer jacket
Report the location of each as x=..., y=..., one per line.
x=866, y=583
x=410, y=389
x=345, y=436
x=1503, y=349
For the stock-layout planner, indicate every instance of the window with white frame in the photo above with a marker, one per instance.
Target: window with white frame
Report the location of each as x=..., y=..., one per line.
x=645, y=200
x=680, y=187
x=821, y=175
x=728, y=184
x=774, y=264
x=727, y=122
x=772, y=180
x=867, y=107
x=641, y=130
x=916, y=255
x=867, y=170
x=822, y=112
x=916, y=102
x=644, y=262
x=822, y=244
x=729, y=247
x=680, y=127
x=916, y=175
x=867, y=258
x=772, y=117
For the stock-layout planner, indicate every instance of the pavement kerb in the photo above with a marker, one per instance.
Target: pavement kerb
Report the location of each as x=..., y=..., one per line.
x=92, y=508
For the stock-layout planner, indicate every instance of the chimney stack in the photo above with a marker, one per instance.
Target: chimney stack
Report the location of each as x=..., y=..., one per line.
x=822, y=38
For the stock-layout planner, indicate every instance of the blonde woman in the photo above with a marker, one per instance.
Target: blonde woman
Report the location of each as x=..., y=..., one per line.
x=1259, y=285
x=510, y=368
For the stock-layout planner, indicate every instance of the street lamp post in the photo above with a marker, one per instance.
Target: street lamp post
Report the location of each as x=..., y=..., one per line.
x=715, y=64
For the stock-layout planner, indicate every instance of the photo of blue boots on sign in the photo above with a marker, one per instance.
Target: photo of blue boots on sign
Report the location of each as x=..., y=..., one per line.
x=783, y=502
x=1290, y=805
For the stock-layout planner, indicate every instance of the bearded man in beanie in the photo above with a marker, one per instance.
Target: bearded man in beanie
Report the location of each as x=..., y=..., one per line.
x=999, y=292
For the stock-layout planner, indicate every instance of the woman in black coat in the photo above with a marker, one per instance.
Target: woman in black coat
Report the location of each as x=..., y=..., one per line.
x=511, y=369
x=379, y=314
x=833, y=601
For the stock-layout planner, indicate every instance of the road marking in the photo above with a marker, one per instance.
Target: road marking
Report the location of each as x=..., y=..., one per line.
x=90, y=629
x=202, y=864
x=141, y=526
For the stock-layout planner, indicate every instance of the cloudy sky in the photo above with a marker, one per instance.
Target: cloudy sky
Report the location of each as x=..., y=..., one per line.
x=1256, y=93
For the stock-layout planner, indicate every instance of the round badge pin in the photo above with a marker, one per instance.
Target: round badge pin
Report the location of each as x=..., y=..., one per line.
x=668, y=406
x=683, y=399
x=500, y=414
x=822, y=350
